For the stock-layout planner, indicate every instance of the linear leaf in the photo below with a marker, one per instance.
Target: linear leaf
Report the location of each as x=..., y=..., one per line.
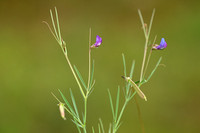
x=101, y=124
x=58, y=25
x=131, y=75
x=124, y=63
x=93, y=130
x=52, y=19
x=76, y=123
x=80, y=77
x=99, y=128
x=74, y=103
x=67, y=103
x=151, y=21
x=154, y=69
x=117, y=103
x=111, y=104
x=143, y=25
x=118, y=126
x=110, y=128
x=91, y=89
x=78, y=128
x=132, y=95
x=132, y=69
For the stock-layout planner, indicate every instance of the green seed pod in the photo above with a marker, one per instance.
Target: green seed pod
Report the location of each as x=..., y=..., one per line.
x=137, y=89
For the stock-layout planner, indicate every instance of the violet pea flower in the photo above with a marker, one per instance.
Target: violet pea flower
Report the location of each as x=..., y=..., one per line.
x=98, y=42
x=162, y=45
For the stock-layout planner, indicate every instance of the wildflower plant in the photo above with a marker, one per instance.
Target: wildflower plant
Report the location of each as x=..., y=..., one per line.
x=131, y=87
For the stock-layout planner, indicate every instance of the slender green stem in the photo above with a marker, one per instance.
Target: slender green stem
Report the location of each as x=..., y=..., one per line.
x=85, y=116
x=149, y=56
x=144, y=58
x=146, y=34
x=84, y=129
x=89, y=68
x=88, y=87
x=89, y=59
x=139, y=115
x=56, y=98
x=121, y=113
x=81, y=89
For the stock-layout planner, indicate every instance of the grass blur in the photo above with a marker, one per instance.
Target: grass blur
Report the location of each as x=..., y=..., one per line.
x=33, y=66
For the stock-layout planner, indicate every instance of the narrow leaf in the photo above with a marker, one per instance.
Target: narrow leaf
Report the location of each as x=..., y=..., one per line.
x=151, y=21
x=58, y=25
x=93, y=130
x=78, y=128
x=132, y=69
x=76, y=123
x=91, y=89
x=131, y=75
x=154, y=69
x=118, y=126
x=67, y=103
x=143, y=25
x=52, y=19
x=132, y=95
x=117, y=103
x=124, y=63
x=51, y=31
x=74, y=103
x=101, y=124
x=111, y=104
x=110, y=128
x=99, y=128
x=80, y=77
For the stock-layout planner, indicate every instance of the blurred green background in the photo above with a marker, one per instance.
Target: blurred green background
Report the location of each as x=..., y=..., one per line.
x=32, y=64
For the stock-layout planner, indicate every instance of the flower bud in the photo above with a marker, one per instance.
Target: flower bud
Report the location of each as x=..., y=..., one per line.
x=62, y=110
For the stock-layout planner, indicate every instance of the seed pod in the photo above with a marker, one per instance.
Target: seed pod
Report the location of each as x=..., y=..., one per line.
x=137, y=89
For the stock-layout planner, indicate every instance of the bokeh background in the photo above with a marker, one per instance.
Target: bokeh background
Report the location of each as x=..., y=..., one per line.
x=32, y=64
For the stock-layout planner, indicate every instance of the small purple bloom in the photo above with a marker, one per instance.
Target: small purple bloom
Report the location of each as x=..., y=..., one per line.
x=98, y=42
x=162, y=45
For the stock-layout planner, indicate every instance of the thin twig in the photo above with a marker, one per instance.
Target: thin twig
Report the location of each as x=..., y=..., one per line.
x=149, y=56
x=139, y=114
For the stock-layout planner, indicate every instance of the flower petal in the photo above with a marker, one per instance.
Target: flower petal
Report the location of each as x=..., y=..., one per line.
x=163, y=44
x=98, y=42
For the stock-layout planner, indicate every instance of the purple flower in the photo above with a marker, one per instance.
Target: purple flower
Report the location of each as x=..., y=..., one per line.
x=162, y=45
x=98, y=42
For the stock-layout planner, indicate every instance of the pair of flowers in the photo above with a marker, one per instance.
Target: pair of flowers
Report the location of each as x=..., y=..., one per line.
x=98, y=42
x=162, y=45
